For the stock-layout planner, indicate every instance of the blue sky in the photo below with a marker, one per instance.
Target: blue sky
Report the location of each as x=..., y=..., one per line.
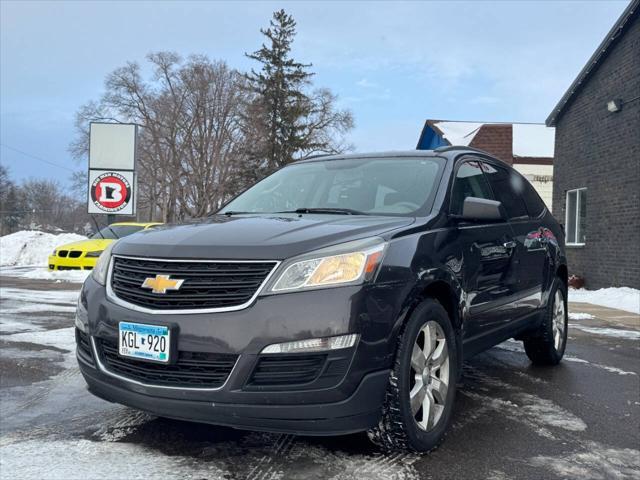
x=393, y=64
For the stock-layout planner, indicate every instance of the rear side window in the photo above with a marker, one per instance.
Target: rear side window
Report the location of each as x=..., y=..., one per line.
x=534, y=203
x=469, y=182
x=509, y=189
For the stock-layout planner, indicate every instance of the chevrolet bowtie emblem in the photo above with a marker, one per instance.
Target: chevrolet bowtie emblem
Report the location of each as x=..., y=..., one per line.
x=162, y=283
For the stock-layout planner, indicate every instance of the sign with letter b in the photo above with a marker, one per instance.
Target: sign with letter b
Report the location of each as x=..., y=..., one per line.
x=112, y=180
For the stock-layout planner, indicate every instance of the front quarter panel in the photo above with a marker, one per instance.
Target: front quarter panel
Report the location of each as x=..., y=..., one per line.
x=415, y=263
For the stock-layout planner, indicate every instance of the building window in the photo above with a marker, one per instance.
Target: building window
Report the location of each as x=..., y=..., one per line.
x=576, y=216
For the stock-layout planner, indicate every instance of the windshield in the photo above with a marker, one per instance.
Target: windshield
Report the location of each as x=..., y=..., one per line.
x=117, y=231
x=384, y=186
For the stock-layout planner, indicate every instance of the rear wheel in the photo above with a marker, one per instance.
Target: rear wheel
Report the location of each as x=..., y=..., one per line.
x=421, y=391
x=547, y=345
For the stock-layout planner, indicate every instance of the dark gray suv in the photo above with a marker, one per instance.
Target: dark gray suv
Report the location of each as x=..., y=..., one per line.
x=339, y=294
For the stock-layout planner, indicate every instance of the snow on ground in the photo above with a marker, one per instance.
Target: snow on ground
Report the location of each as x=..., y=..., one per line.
x=618, y=371
x=608, y=332
x=516, y=346
x=83, y=459
x=43, y=273
x=63, y=338
x=594, y=462
x=41, y=298
x=31, y=247
x=30, y=305
x=622, y=298
x=574, y=315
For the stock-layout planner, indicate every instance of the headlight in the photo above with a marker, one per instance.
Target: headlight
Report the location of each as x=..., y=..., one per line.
x=94, y=254
x=348, y=263
x=99, y=272
x=55, y=252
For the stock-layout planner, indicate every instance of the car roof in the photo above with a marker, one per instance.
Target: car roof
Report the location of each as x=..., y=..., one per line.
x=390, y=154
x=134, y=224
x=452, y=151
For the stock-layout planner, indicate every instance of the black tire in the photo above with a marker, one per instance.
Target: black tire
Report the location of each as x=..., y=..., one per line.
x=541, y=347
x=398, y=428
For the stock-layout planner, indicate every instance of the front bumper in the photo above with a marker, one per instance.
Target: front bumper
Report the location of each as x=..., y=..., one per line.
x=351, y=401
x=66, y=263
x=359, y=411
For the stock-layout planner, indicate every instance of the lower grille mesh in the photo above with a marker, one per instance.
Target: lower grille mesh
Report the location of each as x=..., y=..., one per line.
x=193, y=369
x=287, y=369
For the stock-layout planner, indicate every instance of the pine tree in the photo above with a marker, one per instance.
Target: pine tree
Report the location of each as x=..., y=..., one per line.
x=280, y=104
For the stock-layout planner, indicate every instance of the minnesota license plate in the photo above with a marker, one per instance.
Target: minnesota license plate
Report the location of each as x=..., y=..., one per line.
x=148, y=342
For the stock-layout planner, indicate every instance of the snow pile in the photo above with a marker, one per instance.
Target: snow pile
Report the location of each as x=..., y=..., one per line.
x=30, y=247
x=622, y=298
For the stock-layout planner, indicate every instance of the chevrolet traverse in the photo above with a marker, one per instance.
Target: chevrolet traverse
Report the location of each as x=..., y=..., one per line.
x=340, y=294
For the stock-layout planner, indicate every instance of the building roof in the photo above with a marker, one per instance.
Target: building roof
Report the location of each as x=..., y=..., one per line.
x=596, y=59
x=507, y=141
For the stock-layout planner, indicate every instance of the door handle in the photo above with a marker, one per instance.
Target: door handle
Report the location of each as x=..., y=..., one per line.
x=510, y=244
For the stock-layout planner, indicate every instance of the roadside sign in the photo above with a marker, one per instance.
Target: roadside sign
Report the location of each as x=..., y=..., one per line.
x=112, y=146
x=111, y=192
x=112, y=169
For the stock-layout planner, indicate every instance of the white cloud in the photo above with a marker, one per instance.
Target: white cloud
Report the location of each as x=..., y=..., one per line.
x=364, y=83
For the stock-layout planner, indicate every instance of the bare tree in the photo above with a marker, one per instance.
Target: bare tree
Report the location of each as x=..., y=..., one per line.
x=190, y=113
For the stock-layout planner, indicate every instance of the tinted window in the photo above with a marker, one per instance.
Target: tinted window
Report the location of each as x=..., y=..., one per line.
x=508, y=188
x=380, y=186
x=117, y=231
x=534, y=203
x=469, y=182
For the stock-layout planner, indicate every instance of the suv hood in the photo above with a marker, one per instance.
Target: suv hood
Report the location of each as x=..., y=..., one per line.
x=254, y=237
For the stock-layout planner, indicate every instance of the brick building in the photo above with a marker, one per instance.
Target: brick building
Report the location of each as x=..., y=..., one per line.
x=526, y=146
x=597, y=160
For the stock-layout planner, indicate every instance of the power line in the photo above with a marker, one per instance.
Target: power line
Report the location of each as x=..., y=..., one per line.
x=35, y=157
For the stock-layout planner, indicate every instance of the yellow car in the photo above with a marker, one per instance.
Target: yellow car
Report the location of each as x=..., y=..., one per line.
x=83, y=255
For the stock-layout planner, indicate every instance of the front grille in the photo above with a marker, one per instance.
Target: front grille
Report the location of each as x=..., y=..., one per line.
x=63, y=253
x=83, y=346
x=193, y=369
x=74, y=254
x=206, y=284
x=287, y=369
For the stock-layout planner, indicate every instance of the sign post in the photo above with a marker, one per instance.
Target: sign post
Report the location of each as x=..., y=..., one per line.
x=112, y=169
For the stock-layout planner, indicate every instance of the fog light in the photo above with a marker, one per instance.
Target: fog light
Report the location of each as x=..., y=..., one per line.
x=313, y=344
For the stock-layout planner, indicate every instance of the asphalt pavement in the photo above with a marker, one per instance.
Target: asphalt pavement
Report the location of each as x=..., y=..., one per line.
x=579, y=420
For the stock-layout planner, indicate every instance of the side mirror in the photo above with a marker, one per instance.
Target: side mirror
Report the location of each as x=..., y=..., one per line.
x=481, y=209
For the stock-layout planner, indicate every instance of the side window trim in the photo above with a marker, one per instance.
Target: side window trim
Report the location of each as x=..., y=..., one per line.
x=459, y=163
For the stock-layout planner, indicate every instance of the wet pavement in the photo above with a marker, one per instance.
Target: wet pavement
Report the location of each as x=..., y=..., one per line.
x=511, y=420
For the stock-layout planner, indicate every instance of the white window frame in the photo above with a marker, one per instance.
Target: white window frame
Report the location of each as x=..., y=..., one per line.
x=566, y=215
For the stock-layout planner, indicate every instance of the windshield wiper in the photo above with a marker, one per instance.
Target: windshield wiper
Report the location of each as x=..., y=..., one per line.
x=114, y=232
x=232, y=212
x=327, y=210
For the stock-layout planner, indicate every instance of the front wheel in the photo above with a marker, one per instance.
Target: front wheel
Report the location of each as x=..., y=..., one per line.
x=547, y=345
x=422, y=384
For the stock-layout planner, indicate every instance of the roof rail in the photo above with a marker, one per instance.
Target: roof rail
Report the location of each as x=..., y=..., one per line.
x=460, y=147
x=316, y=155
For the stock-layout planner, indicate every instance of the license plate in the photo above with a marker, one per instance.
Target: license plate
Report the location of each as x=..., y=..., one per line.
x=148, y=342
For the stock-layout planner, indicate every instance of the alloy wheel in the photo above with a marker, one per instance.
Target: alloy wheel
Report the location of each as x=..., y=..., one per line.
x=558, y=320
x=429, y=375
